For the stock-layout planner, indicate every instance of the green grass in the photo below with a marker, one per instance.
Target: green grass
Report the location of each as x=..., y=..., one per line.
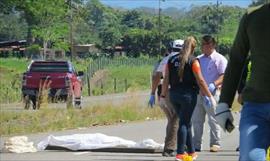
x=136, y=77
x=11, y=70
x=14, y=64
x=46, y=120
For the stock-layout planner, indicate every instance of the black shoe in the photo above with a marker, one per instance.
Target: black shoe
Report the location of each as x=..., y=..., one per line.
x=168, y=153
x=197, y=150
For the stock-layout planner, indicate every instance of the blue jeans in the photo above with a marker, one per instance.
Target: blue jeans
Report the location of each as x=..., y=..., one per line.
x=184, y=102
x=254, y=131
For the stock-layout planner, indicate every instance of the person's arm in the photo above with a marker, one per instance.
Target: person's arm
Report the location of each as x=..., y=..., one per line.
x=165, y=84
x=219, y=81
x=242, y=81
x=238, y=55
x=155, y=81
x=196, y=69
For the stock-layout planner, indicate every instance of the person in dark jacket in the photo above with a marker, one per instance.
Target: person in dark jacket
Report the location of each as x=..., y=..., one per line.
x=253, y=36
x=184, y=76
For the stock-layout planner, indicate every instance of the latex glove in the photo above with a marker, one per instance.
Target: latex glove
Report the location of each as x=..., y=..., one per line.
x=210, y=102
x=151, y=101
x=224, y=117
x=212, y=88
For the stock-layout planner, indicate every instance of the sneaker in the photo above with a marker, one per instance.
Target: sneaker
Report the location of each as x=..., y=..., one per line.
x=193, y=155
x=197, y=150
x=214, y=148
x=168, y=153
x=181, y=157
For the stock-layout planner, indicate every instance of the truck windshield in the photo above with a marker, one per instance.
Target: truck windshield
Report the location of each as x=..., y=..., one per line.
x=49, y=67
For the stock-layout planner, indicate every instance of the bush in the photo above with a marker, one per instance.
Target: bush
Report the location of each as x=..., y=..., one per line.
x=225, y=46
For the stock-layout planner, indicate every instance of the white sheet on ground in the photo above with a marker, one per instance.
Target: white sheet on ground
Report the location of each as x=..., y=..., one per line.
x=95, y=141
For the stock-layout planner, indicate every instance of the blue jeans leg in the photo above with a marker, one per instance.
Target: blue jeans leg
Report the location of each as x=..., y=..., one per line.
x=184, y=104
x=254, y=131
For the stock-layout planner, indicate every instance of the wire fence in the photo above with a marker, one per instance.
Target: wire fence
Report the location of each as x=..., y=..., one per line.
x=116, y=85
x=103, y=62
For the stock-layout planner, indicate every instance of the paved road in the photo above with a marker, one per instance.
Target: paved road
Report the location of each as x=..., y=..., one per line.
x=133, y=131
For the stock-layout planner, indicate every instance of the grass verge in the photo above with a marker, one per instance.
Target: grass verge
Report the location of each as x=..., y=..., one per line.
x=49, y=119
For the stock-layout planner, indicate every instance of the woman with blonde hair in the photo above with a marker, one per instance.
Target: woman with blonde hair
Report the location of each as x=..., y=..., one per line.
x=184, y=76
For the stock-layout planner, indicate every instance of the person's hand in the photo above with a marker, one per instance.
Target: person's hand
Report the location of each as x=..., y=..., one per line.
x=210, y=102
x=151, y=101
x=162, y=102
x=224, y=117
x=212, y=88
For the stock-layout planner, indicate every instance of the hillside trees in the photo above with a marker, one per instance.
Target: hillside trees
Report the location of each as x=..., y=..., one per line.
x=46, y=20
x=138, y=31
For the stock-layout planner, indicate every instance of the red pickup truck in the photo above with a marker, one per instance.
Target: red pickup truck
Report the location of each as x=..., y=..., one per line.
x=65, y=82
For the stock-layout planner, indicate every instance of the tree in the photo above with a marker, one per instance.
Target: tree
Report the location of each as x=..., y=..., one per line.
x=51, y=23
x=12, y=27
x=132, y=19
x=95, y=14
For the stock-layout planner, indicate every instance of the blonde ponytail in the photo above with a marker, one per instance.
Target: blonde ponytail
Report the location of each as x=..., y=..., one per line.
x=188, y=49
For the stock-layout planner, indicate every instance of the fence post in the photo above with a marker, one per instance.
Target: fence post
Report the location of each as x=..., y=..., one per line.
x=88, y=85
x=7, y=96
x=125, y=85
x=150, y=79
x=101, y=87
x=114, y=87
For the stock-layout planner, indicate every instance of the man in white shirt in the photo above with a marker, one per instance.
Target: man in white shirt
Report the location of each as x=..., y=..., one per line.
x=213, y=66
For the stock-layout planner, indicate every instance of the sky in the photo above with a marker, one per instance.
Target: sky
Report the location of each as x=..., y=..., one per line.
x=131, y=4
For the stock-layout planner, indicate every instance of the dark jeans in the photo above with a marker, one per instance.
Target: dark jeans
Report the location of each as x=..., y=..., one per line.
x=184, y=102
x=254, y=131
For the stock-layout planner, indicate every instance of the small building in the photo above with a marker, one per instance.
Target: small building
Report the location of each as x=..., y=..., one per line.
x=52, y=54
x=14, y=47
x=116, y=51
x=81, y=50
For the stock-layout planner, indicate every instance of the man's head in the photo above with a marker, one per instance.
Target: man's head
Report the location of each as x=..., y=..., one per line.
x=176, y=45
x=208, y=44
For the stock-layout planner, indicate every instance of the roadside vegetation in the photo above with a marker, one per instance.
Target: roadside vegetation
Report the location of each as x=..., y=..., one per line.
x=11, y=70
x=46, y=120
x=53, y=119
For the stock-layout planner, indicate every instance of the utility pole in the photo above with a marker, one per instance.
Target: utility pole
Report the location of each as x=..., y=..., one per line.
x=71, y=30
x=159, y=27
x=218, y=23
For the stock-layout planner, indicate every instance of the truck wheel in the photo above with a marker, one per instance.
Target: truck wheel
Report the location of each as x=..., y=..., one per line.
x=26, y=102
x=34, y=102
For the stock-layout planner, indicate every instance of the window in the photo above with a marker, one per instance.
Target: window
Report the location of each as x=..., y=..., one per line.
x=50, y=67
